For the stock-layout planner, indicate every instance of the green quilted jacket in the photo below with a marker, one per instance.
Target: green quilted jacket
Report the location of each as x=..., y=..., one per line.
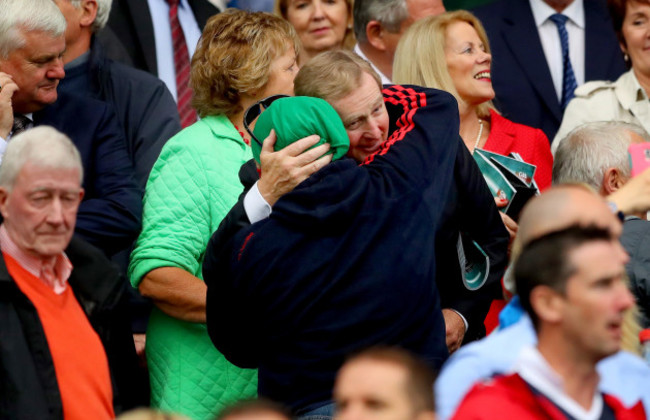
x=192, y=186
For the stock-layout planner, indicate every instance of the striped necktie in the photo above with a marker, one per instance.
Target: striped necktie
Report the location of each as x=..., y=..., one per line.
x=181, y=67
x=21, y=123
x=569, y=83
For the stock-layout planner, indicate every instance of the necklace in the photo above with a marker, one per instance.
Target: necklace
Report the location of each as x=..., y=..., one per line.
x=241, y=133
x=480, y=133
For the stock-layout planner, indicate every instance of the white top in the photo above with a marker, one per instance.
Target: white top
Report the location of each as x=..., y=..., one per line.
x=163, y=36
x=533, y=368
x=550, y=38
x=384, y=80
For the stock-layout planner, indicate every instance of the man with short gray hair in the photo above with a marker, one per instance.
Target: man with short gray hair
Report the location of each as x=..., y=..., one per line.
x=597, y=154
x=379, y=25
x=63, y=340
x=32, y=44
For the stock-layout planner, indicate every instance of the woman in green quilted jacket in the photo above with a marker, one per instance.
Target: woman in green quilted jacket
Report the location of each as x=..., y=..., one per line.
x=241, y=58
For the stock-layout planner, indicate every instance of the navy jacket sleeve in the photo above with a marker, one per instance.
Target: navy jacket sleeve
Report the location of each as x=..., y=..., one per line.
x=145, y=107
x=110, y=214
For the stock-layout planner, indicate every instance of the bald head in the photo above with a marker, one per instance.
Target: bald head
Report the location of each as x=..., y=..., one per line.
x=558, y=208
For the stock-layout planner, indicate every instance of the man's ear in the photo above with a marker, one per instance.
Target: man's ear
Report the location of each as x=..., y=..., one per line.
x=89, y=12
x=4, y=196
x=547, y=304
x=374, y=33
x=613, y=179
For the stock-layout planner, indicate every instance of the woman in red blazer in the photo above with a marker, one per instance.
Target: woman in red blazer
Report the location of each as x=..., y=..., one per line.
x=460, y=39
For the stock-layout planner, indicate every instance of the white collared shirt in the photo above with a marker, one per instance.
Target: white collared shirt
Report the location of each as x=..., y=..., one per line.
x=384, y=80
x=163, y=36
x=550, y=39
x=59, y=268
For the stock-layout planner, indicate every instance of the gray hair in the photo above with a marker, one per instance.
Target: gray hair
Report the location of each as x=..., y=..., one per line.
x=390, y=13
x=41, y=146
x=103, y=10
x=590, y=149
x=17, y=16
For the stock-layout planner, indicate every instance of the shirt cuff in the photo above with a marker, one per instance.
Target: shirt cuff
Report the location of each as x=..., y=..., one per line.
x=255, y=206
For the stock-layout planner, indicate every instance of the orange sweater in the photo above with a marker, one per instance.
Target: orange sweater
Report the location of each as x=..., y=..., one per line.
x=77, y=353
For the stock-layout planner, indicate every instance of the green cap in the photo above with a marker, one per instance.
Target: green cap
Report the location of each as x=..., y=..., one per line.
x=297, y=117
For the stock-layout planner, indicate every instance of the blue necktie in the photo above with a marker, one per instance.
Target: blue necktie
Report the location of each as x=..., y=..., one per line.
x=569, y=84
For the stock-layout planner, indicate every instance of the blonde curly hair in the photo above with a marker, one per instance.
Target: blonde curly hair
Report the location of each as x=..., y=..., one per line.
x=234, y=57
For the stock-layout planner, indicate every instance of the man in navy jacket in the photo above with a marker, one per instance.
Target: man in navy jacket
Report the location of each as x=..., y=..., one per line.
x=144, y=106
x=346, y=260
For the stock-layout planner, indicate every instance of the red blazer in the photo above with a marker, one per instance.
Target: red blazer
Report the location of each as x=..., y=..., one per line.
x=531, y=143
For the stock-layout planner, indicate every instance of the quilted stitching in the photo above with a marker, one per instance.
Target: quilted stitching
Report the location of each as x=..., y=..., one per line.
x=192, y=186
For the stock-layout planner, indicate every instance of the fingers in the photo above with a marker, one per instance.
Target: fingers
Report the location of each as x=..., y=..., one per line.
x=312, y=154
x=269, y=142
x=501, y=202
x=510, y=224
x=6, y=105
x=298, y=147
x=455, y=329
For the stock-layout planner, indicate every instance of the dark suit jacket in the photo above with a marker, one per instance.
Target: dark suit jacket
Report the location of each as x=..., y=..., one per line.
x=520, y=75
x=110, y=214
x=131, y=22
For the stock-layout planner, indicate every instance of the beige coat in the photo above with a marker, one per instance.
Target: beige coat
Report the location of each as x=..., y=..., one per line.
x=622, y=100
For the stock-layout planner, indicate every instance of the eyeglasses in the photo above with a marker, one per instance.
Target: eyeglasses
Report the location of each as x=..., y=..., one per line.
x=255, y=110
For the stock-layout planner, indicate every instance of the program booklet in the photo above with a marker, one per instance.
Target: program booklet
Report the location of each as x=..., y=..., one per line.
x=508, y=178
x=474, y=262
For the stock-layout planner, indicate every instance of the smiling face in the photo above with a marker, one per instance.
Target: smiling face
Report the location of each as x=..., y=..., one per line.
x=320, y=24
x=40, y=211
x=364, y=116
x=468, y=63
x=636, y=32
x=596, y=298
x=36, y=68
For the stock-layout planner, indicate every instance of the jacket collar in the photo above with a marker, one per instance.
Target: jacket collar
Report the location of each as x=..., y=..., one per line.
x=633, y=98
